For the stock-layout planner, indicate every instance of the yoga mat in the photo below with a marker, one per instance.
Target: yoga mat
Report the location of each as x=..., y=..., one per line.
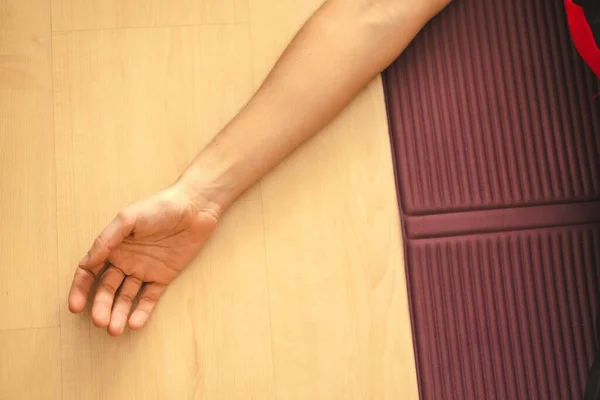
x=496, y=145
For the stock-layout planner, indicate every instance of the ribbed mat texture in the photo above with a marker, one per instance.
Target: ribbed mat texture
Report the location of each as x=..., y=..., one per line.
x=496, y=143
x=505, y=316
x=493, y=107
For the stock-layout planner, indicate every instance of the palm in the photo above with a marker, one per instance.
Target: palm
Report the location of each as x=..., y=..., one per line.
x=147, y=245
x=164, y=241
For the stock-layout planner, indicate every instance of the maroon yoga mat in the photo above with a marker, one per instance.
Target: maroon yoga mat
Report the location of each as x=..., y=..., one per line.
x=496, y=143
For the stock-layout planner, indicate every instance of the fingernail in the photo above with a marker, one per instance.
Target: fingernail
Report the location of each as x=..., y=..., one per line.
x=85, y=259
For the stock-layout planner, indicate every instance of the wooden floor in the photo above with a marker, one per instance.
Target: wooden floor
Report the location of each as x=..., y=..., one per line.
x=300, y=294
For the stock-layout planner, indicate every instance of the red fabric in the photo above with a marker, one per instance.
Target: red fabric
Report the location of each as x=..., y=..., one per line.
x=583, y=36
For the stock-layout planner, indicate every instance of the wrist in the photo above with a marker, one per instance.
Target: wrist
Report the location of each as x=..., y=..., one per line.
x=204, y=197
x=209, y=185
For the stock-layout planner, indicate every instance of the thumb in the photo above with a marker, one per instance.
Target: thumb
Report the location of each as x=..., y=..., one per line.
x=108, y=239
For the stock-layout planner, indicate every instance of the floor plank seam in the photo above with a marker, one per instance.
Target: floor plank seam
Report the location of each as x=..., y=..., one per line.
x=60, y=360
x=162, y=26
x=264, y=224
x=32, y=328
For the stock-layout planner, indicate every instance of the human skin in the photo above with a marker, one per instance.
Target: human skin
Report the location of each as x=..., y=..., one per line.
x=339, y=50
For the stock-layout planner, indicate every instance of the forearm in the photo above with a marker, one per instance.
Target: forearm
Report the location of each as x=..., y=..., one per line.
x=338, y=51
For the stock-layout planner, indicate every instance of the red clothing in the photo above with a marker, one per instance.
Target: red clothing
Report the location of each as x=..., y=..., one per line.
x=580, y=15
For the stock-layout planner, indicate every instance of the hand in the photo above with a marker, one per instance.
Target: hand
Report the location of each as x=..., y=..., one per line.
x=145, y=247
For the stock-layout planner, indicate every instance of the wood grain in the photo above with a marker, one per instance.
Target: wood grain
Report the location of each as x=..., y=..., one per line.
x=339, y=311
x=28, y=283
x=84, y=15
x=132, y=108
x=30, y=364
x=300, y=294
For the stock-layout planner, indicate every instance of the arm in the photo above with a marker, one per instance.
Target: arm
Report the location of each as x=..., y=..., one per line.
x=344, y=45
x=337, y=52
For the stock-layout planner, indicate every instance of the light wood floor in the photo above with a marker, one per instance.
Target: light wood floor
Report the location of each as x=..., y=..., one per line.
x=300, y=294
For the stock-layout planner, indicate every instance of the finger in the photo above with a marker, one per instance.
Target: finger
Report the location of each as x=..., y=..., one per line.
x=129, y=290
x=109, y=238
x=81, y=286
x=148, y=299
x=105, y=295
